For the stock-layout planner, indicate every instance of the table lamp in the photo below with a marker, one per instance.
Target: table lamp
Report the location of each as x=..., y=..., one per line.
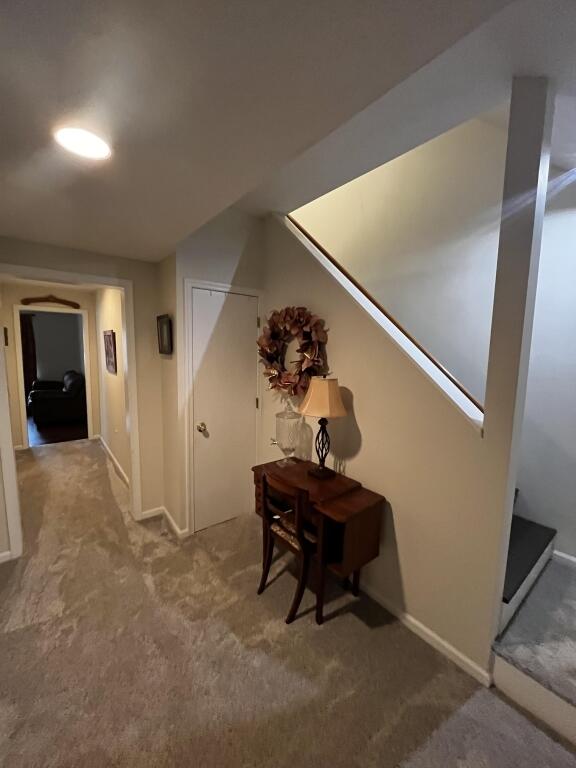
x=322, y=400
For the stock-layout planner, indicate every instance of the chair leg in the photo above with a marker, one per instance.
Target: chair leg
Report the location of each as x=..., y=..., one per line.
x=303, y=578
x=267, y=559
x=320, y=593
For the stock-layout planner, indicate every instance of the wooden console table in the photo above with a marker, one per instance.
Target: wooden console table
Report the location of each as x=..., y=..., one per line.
x=346, y=515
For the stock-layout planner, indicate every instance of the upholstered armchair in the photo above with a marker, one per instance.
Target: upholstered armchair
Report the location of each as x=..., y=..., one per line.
x=58, y=402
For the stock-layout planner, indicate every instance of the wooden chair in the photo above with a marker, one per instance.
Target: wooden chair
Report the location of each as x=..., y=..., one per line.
x=285, y=519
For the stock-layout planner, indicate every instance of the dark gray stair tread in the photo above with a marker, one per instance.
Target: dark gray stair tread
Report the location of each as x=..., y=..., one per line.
x=528, y=540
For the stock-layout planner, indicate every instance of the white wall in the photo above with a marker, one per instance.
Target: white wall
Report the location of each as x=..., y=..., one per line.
x=547, y=475
x=113, y=404
x=227, y=250
x=421, y=235
x=406, y=440
x=59, y=347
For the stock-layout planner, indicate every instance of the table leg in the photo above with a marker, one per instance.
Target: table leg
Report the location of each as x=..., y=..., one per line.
x=321, y=573
x=268, y=543
x=320, y=594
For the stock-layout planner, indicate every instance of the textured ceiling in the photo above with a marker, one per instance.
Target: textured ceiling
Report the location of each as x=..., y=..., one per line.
x=201, y=101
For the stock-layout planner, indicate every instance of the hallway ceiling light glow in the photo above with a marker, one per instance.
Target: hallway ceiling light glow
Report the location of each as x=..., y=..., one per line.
x=83, y=143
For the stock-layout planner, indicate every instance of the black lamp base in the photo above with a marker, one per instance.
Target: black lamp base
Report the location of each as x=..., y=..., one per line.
x=321, y=472
x=322, y=449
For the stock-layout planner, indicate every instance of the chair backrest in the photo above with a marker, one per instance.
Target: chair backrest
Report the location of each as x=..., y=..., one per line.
x=280, y=499
x=73, y=382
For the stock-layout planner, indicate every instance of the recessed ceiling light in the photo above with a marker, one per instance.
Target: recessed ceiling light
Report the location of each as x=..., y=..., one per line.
x=83, y=143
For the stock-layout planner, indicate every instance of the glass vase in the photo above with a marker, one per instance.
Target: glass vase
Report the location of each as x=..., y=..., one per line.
x=287, y=433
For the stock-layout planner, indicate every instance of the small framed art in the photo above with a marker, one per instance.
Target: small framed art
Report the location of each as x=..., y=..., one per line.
x=110, y=351
x=164, y=323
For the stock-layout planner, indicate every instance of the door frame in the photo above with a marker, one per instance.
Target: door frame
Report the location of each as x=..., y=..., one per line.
x=8, y=465
x=69, y=279
x=18, y=309
x=186, y=385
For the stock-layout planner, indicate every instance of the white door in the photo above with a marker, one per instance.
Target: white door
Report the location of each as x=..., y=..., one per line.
x=224, y=367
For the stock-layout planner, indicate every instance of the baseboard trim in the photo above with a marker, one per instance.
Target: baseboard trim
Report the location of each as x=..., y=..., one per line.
x=19, y=447
x=563, y=557
x=114, y=460
x=6, y=556
x=149, y=513
x=428, y=635
x=529, y=694
x=181, y=533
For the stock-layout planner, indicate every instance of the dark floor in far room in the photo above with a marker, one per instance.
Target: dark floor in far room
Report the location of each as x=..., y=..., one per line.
x=56, y=433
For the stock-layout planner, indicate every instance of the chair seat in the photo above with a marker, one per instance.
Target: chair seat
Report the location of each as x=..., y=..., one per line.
x=285, y=527
x=288, y=537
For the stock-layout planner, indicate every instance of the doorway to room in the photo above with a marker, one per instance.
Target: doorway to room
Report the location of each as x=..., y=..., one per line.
x=53, y=374
x=109, y=369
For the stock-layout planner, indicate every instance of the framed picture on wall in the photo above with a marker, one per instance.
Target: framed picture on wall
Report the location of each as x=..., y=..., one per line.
x=110, y=351
x=164, y=323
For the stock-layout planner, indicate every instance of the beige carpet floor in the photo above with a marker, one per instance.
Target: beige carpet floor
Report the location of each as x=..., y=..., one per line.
x=121, y=647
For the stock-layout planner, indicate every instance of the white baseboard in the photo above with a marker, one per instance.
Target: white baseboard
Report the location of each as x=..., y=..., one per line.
x=181, y=533
x=148, y=513
x=114, y=460
x=6, y=556
x=475, y=670
x=553, y=710
x=562, y=557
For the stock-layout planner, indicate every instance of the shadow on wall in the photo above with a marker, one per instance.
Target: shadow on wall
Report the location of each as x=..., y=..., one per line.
x=227, y=250
x=345, y=435
x=346, y=443
x=387, y=568
x=305, y=441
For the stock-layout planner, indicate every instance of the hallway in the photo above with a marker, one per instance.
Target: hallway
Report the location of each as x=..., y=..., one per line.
x=122, y=647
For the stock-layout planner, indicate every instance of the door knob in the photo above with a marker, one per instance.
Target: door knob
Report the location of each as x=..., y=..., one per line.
x=201, y=427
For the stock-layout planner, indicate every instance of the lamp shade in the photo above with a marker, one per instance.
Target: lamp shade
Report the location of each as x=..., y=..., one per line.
x=323, y=399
